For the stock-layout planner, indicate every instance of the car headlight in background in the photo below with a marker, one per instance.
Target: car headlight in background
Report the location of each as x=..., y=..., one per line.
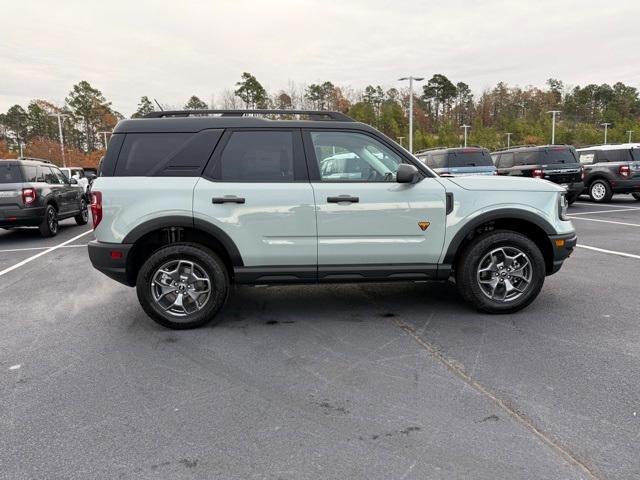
x=563, y=206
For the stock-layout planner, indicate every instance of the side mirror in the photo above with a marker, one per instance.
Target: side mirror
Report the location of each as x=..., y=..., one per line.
x=73, y=181
x=407, y=173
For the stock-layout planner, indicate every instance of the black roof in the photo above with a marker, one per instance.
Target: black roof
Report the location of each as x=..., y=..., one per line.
x=187, y=121
x=451, y=149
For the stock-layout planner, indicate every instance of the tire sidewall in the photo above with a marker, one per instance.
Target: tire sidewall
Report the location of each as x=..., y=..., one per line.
x=45, y=230
x=467, y=271
x=208, y=260
x=80, y=220
x=608, y=193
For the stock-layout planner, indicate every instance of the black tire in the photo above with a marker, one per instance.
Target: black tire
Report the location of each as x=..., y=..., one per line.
x=636, y=196
x=467, y=276
x=598, y=186
x=206, y=261
x=49, y=225
x=572, y=197
x=83, y=217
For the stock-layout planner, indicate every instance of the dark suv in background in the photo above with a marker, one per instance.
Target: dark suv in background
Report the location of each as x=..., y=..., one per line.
x=458, y=161
x=35, y=193
x=611, y=169
x=556, y=163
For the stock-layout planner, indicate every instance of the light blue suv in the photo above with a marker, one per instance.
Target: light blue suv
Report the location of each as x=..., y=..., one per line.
x=189, y=203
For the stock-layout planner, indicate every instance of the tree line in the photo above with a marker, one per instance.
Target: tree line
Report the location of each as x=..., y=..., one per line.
x=440, y=108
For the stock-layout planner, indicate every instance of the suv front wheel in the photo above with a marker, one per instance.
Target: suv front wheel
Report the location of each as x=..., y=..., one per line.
x=182, y=285
x=500, y=272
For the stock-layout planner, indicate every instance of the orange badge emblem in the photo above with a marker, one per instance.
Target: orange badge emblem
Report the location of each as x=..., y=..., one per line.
x=424, y=225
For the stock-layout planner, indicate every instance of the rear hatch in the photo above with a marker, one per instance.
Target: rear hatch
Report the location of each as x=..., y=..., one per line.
x=635, y=165
x=10, y=186
x=469, y=161
x=560, y=165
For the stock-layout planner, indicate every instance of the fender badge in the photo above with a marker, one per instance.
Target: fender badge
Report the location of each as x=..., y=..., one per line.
x=424, y=225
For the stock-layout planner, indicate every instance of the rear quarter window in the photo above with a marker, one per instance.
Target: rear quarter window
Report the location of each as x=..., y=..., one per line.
x=10, y=173
x=476, y=158
x=527, y=158
x=587, y=158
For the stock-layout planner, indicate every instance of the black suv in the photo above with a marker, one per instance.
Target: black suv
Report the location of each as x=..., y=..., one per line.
x=458, y=161
x=36, y=193
x=556, y=163
x=611, y=169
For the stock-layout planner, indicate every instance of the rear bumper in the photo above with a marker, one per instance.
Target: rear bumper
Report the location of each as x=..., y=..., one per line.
x=110, y=259
x=575, y=188
x=562, y=247
x=21, y=217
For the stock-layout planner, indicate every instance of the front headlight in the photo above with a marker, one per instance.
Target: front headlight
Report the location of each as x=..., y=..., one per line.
x=563, y=206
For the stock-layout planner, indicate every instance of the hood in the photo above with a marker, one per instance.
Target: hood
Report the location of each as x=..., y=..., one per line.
x=498, y=183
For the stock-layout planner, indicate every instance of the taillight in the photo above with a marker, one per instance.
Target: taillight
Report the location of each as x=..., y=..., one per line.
x=537, y=173
x=28, y=196
x=96, y=208
x=624, y=170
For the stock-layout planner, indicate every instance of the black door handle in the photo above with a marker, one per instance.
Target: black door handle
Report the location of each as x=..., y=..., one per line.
x=229, y=199
x=343, y=198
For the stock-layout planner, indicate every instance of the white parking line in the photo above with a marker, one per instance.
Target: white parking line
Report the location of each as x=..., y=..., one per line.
x=612, y=252
x=39, y=248
x=606, y=221
x=38, y=255
x=600, y=205
x=607, y=211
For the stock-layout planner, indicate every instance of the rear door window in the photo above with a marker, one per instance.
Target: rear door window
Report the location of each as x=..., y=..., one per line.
x=527, y=158
x=587, y=158
x=506, y=160
x=30, y=173
x=50, y=176
x=257, y=156
x=438, y=160
x=10, y=174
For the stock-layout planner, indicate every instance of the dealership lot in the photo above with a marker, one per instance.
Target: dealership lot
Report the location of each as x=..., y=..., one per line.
x=341, y=381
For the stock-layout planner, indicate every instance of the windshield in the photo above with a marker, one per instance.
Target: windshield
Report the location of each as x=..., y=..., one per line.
x=10, y=174
x=470, y=158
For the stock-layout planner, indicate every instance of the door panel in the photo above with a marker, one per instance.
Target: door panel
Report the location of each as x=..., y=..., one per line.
x=383, y=226
x=274, y=226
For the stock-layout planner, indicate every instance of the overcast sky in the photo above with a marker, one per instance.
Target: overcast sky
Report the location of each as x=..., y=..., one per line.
x=171, y=50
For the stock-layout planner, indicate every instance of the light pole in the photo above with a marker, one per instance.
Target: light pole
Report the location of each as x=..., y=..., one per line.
x=466, y=127
x=60, y=117
x=553, y=125
x=400, y=140
x=104, y=136
x=411, y=79
x=606, y=127
x=629, y=132
x=509, y=139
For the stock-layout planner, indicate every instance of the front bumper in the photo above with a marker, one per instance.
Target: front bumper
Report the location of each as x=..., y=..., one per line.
x=110, y=259
x=21, y=217
x=562, y=247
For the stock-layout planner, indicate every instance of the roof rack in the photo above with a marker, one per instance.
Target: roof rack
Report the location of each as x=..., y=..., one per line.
x=430, y=149
x=35, y=159
x=313, y=114
x=513, y=147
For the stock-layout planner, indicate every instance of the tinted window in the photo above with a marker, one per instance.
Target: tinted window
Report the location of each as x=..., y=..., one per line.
x=353, y=157
x=559, y=155
x=636, y=154
x=62, y=178
x=258, y=157
x=526, y=158
x=10, y=174
x=614, y=155
x=471, y=158
x=141, y=152
x=438, y=160
x=506, y=160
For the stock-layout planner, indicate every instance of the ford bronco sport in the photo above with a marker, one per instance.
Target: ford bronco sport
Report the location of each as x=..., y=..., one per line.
x=257, y=197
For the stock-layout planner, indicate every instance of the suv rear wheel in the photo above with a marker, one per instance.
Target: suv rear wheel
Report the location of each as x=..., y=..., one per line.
x=600, y=191
x=500, y=272
x=83, y=217
x=182, y=285
x=49, y=225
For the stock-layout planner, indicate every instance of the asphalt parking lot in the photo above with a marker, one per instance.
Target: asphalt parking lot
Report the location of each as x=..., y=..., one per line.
x=393, y=381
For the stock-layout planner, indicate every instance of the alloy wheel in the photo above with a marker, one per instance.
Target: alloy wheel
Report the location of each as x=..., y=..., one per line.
x=181, y=287
x=504, y=274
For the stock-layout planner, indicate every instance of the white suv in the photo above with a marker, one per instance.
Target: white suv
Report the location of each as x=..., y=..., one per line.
x=185, y=206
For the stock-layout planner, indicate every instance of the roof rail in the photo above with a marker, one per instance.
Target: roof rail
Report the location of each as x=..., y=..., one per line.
x=430, y=149
x=313, y=114
x=35, y=159
x=513, y=147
